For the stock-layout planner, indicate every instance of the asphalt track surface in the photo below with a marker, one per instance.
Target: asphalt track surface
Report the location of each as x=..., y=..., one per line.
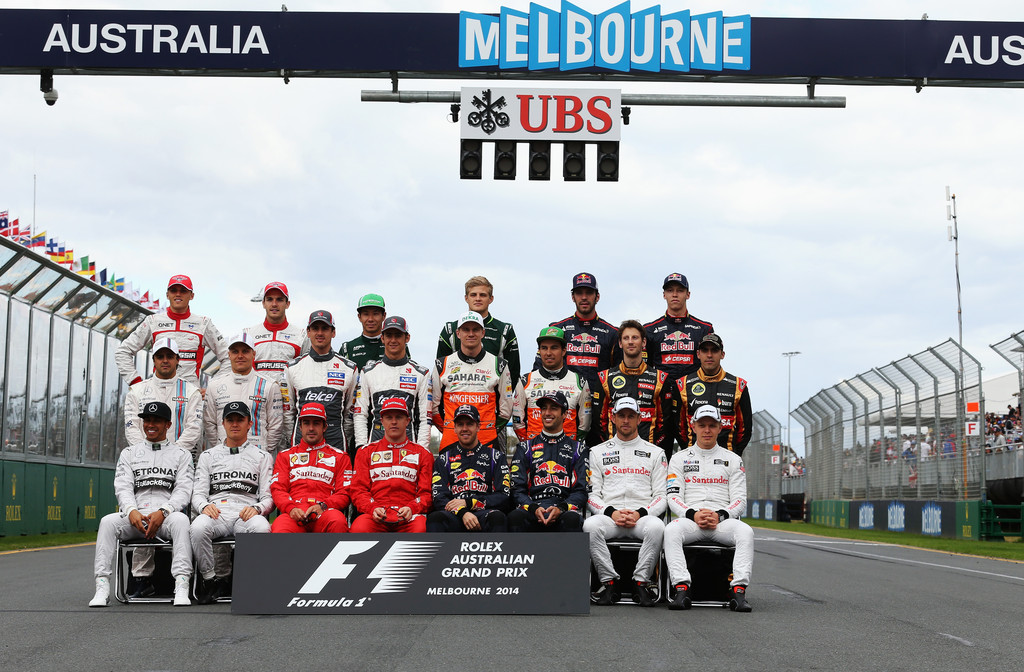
x=818, y=603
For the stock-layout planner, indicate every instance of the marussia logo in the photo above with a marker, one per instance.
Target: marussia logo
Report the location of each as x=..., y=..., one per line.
x=396, y=570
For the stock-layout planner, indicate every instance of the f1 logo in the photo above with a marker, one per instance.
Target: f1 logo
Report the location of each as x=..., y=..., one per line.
x=396, y=570
x=334, y=567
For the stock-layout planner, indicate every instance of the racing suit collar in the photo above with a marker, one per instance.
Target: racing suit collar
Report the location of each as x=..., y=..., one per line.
x=371, y=338
x=159, y=445
x=457, y=448
x=711, y=379
x=677, y=320
x=179, y=316
x=302, y=445
x=633, y=372
x=585, y=320
x=551, y=438
x=471, y=360
x=275, y=327
x=241, y=377
x=396, y=362
x=557, y=374
x=403, y=444
x=317, y=357
x=635, y=441
x=235, y=450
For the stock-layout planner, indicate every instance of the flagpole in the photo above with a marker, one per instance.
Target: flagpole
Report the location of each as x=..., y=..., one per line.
x=33, y=204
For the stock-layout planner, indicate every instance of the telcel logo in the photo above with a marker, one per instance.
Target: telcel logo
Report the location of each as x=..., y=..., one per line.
x=571, y=39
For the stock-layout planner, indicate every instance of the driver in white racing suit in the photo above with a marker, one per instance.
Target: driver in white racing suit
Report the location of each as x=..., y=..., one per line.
x=707, y=490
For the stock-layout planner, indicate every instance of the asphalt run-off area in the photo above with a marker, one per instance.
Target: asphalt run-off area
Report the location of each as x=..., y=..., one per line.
x=819, y=603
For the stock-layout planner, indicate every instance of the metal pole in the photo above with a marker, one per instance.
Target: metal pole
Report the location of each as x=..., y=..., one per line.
x=370, y=96
x=789, y=410
x=961, y=398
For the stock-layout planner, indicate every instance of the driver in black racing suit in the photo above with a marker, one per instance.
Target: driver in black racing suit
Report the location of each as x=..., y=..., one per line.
x=549, y=475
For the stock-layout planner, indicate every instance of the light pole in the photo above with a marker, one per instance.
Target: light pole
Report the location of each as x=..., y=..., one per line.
x=953, y=234
x=789, y=409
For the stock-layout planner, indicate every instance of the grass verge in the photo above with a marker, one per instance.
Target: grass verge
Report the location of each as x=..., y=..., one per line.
x=1011, y=549
x=18, y=543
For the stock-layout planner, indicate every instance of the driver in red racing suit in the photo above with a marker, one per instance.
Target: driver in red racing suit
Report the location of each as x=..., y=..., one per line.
x=391, y=488
x=309, y=484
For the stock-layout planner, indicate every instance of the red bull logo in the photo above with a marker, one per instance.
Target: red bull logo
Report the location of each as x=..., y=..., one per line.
x=677, y=336
x=585, y=338
x=551, y=473
x=469, y=480
x=552, y=467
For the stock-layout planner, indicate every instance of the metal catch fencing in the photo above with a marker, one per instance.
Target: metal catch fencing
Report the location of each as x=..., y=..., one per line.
x=762, y=475
x=898, y=431
x=1012, y=350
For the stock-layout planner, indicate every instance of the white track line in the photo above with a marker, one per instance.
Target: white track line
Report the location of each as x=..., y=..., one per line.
x=905, y=560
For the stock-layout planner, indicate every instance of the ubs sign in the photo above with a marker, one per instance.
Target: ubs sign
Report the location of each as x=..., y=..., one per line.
x=616, y=39
x=588, y=115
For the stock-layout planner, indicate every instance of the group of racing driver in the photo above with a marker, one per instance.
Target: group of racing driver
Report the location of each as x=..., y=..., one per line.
x=339, y=441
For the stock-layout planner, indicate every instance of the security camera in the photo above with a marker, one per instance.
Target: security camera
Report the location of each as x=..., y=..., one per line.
x=46, y=86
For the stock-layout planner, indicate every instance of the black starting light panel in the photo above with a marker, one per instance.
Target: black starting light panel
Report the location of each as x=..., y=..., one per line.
x=574, y=160
x=472, y=160
x=540, y=160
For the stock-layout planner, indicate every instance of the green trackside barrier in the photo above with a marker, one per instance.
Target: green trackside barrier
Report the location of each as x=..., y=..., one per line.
x=73, y=499
x=88, y=496
x=40, y=498
x=831, y=513
x=33, y=513
x=108, y=500
x=13, y=498
x=81, y=505
x=968, y=520
x=999, y=521
x=56, y=493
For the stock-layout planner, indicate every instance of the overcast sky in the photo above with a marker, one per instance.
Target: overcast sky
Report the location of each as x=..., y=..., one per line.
x=819, y=231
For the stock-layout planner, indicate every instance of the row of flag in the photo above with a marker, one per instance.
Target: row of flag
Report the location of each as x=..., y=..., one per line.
x=64, y=256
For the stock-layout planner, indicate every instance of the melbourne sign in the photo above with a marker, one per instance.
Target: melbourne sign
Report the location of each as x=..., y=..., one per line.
x=617, y=39
x=411, y=574
x=531, y=114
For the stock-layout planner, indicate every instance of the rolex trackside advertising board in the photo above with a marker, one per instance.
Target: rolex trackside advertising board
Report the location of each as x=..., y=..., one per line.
x=545, y=40
x=411, y=574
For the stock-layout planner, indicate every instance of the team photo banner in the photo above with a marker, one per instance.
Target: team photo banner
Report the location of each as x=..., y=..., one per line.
x=549, y=41
x=411, y=574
